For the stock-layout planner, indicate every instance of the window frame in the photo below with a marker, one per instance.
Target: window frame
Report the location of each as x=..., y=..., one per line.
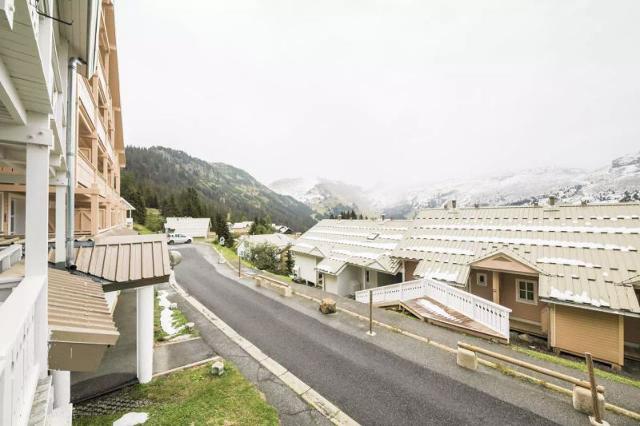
x=486, y=279
x=534, y=290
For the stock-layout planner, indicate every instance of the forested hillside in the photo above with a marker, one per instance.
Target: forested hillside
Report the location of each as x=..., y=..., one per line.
x=179, y=184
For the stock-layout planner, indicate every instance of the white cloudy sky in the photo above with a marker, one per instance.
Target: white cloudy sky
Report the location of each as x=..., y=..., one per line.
x=366, y=91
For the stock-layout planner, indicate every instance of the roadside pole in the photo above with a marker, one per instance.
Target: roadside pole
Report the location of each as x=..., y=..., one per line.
x=239, y=267
x=371, y=332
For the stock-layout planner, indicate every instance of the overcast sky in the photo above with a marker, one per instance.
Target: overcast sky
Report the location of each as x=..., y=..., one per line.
x=366, y=91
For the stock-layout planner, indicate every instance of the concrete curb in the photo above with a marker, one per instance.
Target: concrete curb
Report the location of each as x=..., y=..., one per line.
x=308, y=394
x=184, y=367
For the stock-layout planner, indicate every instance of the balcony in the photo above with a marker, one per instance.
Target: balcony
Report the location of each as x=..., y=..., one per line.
x=22, y=356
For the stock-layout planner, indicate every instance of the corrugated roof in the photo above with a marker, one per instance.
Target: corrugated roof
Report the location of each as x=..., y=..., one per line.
x=585, y=254
x=366, y=243
x=78, y=315
x=130, y=260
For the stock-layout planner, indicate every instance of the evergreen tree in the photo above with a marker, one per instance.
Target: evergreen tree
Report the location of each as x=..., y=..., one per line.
x=289, y=263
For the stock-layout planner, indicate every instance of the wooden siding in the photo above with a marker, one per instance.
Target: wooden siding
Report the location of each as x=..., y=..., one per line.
x=485, y=292
x=521, y=310
x=579, y=330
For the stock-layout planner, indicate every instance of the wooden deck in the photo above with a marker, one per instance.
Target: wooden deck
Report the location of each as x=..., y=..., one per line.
x=427, y=309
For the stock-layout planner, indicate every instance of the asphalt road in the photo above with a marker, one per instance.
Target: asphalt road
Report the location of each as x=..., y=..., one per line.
x=373, y=386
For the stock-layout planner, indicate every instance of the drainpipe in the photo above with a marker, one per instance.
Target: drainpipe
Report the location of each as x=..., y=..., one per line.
x=71, y=154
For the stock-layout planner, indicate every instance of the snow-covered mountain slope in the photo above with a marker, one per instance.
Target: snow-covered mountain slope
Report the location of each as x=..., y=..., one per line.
x=619, y=181
x=323, y=195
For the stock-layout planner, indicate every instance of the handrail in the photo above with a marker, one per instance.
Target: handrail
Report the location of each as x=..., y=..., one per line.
x=23, y=348
x=485, y=312
x=9, y=256
x=533, y=367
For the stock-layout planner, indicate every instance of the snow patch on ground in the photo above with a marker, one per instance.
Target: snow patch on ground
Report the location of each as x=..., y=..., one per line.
x=132, y=419
x=166, y=316
x=435, y=309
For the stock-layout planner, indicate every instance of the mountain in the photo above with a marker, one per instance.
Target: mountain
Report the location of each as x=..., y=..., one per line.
x=325, y=196
x=159, y=172
x=618, y=181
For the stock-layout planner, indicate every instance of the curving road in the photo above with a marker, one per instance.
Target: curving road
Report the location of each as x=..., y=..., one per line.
x=373, y=386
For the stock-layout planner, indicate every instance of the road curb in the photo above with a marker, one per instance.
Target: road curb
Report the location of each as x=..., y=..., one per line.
x=306, y=392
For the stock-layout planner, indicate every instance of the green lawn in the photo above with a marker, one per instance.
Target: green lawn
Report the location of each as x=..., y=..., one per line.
x=194, y=396
x=230, y=255
x=141, y=229
x=577, y=365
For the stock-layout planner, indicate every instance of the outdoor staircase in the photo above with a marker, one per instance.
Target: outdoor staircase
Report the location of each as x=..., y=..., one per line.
x=443, y=304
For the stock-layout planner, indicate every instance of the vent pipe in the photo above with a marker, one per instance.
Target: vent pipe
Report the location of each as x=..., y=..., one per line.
x=552, y=200
x=71, y=154
x=382, y=216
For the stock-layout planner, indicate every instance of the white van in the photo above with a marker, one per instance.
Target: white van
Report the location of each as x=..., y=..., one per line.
x=179, y=239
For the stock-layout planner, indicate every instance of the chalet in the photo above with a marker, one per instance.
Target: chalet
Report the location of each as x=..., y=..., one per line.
x=567, y=273
x=343, y=256
x=191, y=226
x=240, y=228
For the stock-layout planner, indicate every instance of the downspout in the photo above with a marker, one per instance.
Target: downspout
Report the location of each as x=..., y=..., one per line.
x=71, y=155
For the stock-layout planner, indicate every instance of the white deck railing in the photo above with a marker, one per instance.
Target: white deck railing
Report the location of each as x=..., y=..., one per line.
x=9, y=256
x=23, y=348
x=485, y=312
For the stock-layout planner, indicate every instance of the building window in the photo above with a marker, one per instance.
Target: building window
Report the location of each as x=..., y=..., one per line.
x=366, y=276
x=526, y=292
x=481, y=279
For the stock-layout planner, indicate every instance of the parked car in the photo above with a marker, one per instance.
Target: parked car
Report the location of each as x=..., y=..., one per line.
x=179, y=239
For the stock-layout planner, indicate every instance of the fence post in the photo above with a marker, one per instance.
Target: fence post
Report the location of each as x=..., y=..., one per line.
x=370, y=332
x=594, y=390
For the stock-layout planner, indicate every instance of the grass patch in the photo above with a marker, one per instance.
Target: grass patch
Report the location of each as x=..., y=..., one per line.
x=141, y=229
x=577, y=365
x=194, y=396
x=230, y=255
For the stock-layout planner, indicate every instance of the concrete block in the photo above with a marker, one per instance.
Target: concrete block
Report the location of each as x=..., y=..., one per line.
x=284, y=290
x=582, y=401
x=467, y=359
x=258, y=282
x=217, y=368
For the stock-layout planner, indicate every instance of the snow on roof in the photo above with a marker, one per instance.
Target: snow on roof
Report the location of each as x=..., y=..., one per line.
x=582, y=252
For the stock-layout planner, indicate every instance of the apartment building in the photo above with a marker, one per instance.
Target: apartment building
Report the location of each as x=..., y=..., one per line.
x=567, y=273
x=61, y=150
x=97, y=152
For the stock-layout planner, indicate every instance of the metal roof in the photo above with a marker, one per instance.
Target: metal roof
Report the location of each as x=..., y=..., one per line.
x=79, y=319
x=365, y=243
x=126, y=261
x=585, y=254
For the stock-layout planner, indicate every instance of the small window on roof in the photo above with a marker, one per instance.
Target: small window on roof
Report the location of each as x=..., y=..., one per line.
x=372, y=236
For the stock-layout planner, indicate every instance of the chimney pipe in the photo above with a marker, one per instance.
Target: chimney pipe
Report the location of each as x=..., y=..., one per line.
x=552, y=200
x=382, y=216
